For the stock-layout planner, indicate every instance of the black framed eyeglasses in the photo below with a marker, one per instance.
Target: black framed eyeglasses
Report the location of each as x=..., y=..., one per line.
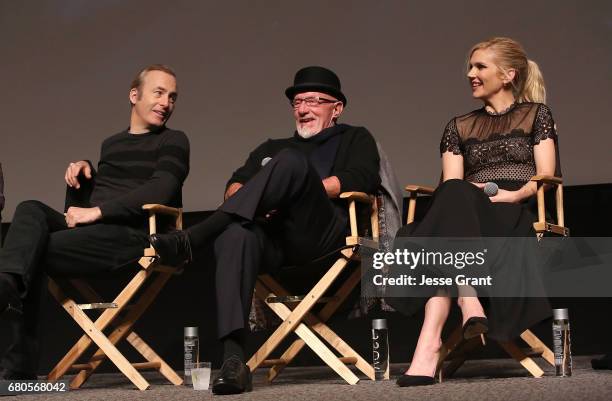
x=311, y=101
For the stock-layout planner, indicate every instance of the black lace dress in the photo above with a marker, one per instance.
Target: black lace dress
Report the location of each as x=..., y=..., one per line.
x=497, y=148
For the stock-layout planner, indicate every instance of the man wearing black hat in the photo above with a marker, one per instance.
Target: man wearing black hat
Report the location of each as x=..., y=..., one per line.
x=280, y=209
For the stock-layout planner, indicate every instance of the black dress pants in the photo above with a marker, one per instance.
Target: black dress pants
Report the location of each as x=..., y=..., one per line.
x=38, y=241
x=305, y=225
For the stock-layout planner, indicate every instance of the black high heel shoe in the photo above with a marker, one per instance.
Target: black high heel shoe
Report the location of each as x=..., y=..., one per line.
x=476, y=326
x=605, y=362
x=412, y=381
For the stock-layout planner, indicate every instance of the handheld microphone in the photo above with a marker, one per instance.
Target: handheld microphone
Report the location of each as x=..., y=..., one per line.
x=491, y=189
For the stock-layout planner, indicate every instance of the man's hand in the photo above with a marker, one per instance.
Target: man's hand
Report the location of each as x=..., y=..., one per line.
x=231, y=190
x=82, y=215
x=332, y=186
x=73, y=171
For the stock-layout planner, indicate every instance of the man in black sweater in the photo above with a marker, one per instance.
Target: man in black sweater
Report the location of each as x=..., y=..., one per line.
x=281, y=209
x=104, y=227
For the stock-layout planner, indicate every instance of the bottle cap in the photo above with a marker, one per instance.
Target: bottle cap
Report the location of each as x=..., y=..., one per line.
x=560, y=314
x=379, y=324
x=191, y=331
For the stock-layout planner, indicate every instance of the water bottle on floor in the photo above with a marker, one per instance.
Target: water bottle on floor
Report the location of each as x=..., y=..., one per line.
x=562, y=343
x=380, y=349
x=191, y=346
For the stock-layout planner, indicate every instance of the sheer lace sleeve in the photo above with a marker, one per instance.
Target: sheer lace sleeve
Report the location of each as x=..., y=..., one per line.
x=544, y=125
x=450, y=139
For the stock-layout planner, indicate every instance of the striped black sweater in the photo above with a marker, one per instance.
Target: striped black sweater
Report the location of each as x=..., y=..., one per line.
x=137, y=169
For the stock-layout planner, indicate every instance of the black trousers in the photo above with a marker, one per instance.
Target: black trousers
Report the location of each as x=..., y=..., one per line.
x=38, y=241
x=306, y=224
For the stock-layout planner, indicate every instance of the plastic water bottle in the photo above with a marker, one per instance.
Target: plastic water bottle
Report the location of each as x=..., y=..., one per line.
x=380, y=349
x=191, y=346
x=562, y=343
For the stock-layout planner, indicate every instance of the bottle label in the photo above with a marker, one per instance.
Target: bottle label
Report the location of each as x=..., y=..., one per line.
x=562, y=348
x=380, y=354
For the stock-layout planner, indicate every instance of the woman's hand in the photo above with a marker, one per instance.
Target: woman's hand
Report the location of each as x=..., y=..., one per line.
x=506, y=196
x=502, y=195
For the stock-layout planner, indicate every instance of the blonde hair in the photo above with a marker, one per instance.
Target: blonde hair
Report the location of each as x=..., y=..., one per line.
x=528, y=82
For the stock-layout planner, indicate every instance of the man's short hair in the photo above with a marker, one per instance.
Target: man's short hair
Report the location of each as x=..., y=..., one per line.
x=137, y=82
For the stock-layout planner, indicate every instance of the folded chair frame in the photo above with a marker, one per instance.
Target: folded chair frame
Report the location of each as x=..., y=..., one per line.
x=119, y=316
x=455, y=349
x=311, y=328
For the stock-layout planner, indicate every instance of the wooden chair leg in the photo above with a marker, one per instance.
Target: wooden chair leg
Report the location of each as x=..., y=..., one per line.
x=103, y=320
x=460, y=355
x=535, y=342
x=124, y=327
x=450, y=348
x=454, y=340
x=295, y=317
x=150, y=355
x=528, y=363
x=458, y=350
x=313, y=342
x=103, y=342
x=317, y=324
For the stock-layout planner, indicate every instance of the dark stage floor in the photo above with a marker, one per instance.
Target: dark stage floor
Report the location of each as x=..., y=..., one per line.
x=492, y=379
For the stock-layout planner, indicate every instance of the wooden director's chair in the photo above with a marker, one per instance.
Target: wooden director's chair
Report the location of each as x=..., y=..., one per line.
x=455, y=349
x=295, y=311
x=120, y=315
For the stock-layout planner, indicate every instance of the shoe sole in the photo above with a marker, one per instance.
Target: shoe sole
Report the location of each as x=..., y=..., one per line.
x=597, y=364
x=415, y=381
x=228, y=389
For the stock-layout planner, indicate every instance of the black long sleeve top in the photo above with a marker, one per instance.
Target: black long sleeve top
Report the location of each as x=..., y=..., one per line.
x=356, y=163
x=137, y=169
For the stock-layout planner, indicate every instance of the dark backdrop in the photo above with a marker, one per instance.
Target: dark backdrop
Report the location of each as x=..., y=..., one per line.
x=67, y=64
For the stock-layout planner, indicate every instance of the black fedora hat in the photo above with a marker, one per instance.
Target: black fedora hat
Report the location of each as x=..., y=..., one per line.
x=316, y=79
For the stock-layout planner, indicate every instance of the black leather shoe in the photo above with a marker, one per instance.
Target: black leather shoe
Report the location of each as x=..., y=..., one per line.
x=234, y=378
x=605, y=362
x=411, y=381
x=173, y=248
x=7, y=374
x=11, y=307
x=475, y=326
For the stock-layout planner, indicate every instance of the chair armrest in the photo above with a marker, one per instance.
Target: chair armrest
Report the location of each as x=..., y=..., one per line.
x=419, y=189
x=547, y=179
x=413, y=192
x=541, y=225
x=155, y=209
x=161, y=209
x=357, y=196
x=361, y=197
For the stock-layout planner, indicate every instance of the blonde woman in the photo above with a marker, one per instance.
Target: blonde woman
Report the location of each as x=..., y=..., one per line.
x=507, y=141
